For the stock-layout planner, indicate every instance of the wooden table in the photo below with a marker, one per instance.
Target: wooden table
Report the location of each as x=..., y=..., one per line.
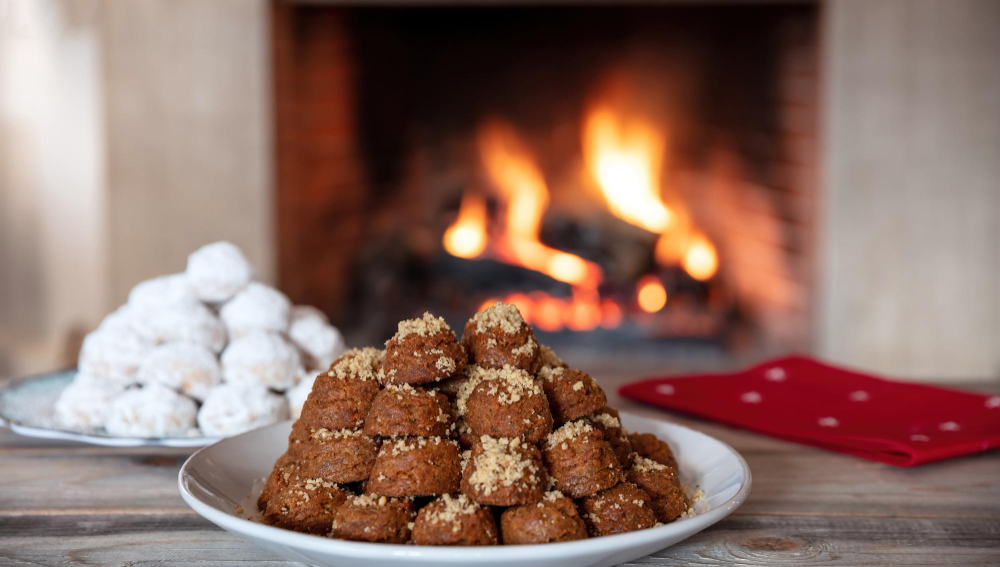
x=64, y=503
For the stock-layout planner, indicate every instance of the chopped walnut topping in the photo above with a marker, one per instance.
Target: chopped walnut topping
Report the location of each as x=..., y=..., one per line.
x=466, y=388
x=314, y=483
x=568, y=431
x=642, y=464
x=550, y=373
x=508, y=384
x=605, y=420
x=501, y=464
x=503, y=315
x=324, y=434
x=454, y=506
x=424, y=326
x=369, y=500
x=553, y=495
x=526, y=349
x=445, y=364
x=405, y=445
x=362, y=364
x=578, y=386
x=549, y=358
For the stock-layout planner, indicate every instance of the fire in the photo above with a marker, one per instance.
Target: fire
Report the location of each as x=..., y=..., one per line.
x=466, y=237
x=517, y=177
x=625, y=156
x=651, y=295
x=700, y=261
x=625, y=159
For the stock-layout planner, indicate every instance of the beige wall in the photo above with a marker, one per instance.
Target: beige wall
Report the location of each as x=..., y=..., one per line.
x=911, y=230
x=53, y=257
x=188, y=121
x=130, y=134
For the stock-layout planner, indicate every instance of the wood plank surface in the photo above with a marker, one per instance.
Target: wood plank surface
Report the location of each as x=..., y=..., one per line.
x=75, y=504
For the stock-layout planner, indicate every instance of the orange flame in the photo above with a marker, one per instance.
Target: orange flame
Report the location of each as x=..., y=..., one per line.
x=700, y=261
x=625, y=159
x=651, y=294
x=466, y=237
x=517, y=177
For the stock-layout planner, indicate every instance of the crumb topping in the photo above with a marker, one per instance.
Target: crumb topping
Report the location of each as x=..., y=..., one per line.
x=526, y=349
x=550, y=373
x=406, y=445
x=642, y=464
x=450, y=509
x=409, y=390
x=578, y=386
x=503, y=315
x=508, y=385
x=424, y=326
x=324, y=434
x=549, y=357
x=567, y=432
x=465, y=390
x=445, y=364
x=553, y=495
x=362, y=364
x=366, y=500
x=312, y=484
x=501, y=463
x=605, y=420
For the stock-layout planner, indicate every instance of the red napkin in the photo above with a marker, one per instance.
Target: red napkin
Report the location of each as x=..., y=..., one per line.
x=802, y=400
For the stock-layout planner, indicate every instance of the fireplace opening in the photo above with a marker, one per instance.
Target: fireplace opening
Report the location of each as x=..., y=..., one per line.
x=632, y=177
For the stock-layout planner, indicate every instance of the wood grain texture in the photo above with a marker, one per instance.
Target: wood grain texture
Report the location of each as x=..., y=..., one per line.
x=66, y=504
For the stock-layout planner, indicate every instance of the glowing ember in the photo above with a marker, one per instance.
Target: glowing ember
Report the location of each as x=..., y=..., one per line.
x=611, y=314
x=625, y=160
x=466, y=237
x=652, y=296
x=549, y=313
x=584, y=313
x=700, y=261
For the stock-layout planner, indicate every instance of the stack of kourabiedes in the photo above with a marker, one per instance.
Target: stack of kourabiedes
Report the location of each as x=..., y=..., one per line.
x=491, y=440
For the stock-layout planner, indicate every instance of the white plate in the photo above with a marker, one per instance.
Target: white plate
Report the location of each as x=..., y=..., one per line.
x=26, y=407
x=227, y=476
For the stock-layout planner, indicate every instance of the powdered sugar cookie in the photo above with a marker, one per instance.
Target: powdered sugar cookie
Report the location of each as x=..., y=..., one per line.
x=113, y=355
x=152, y=411
x=321, y=342
x=262, y=358
x=300, y=312
x=122, y=319
x=158, y=292
x=84, y=404
x=193, y=323
x=297, y=394
x=188, y=368
x=257, y=308
x=237, y=407
x=218, y=271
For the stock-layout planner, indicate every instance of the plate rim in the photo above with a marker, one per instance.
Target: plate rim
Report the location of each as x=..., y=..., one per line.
x=371, y=551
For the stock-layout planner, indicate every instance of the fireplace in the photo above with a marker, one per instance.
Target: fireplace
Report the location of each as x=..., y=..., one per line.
x=633, y=177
